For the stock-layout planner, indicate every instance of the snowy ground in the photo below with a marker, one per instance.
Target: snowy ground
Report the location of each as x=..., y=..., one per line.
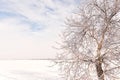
x=28, y=70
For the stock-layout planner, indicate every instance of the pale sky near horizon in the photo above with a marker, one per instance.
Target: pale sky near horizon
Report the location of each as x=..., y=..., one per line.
x=29, y=28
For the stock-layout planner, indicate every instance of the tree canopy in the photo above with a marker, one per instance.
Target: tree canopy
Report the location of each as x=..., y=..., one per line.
x=91, y=42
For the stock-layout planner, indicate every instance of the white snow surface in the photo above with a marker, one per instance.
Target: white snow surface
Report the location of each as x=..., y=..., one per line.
x=28, y=70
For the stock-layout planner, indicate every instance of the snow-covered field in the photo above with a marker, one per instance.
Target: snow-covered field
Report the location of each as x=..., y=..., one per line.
x=28, y=70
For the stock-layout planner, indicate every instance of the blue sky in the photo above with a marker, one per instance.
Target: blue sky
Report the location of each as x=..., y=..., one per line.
x=29, y=28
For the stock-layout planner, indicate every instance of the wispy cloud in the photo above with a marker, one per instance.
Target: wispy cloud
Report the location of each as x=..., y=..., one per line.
x=29, y=29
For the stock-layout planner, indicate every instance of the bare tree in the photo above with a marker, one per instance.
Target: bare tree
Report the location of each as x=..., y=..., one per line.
x=91, y=42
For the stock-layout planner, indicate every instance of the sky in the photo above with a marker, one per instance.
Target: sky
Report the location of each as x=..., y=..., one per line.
x=29, y=29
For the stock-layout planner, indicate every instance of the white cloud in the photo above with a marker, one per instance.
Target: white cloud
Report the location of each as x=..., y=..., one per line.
x=18, y=40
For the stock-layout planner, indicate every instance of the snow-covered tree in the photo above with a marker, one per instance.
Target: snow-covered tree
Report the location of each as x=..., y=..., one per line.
x=91, y=42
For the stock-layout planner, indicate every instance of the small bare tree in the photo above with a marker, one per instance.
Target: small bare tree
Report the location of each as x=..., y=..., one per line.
x=91, y=42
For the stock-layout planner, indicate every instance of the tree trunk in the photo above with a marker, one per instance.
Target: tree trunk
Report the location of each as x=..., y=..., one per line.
x=99, y=69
